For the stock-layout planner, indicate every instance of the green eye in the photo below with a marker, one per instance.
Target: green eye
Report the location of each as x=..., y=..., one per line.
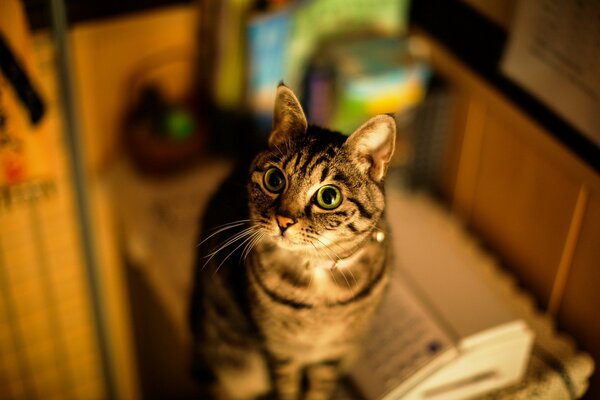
x=274, y=180
x=329, y=197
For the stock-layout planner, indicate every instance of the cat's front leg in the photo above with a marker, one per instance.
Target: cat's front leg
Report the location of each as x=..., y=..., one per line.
x=322, y=380
x=288, y=377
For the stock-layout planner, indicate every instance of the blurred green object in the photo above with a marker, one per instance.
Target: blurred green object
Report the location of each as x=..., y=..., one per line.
x=162, y=137
x=314, y=21
x=357, y=78
x=178, y=124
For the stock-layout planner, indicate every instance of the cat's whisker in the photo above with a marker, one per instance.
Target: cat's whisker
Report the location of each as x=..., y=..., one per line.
x=256, y=242
x=345, y=251
x=278, y=149
x=325, y=246
x=244, y=234
x=331, y=241
x=234, y=238
x=230, y=223
x=353, y=277
x=344, y=275
x=326, y=251
x=332, y=275
x=247, y=239
x=371, y=226
x=335, y=264
x=315, y=251
x=245, y=250
x=256, y=238
x=224, y=227
x=328, y=269
x=242, y=238
x=238, y=232
x=332, y=260
x=288, y=145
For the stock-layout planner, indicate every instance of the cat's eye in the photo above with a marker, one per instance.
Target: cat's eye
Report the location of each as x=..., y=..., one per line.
x=274, y=180
x=328, y=197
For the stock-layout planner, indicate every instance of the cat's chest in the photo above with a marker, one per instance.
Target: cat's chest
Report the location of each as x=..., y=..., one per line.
x=317, y=322
x=311, y=305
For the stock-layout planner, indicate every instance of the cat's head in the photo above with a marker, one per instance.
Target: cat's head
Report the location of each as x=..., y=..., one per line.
x=316, y=189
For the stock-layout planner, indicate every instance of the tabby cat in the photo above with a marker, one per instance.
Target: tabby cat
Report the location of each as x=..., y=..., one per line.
x=281, y=304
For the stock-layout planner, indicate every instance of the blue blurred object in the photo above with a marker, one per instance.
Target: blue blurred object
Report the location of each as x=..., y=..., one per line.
x=267, y=40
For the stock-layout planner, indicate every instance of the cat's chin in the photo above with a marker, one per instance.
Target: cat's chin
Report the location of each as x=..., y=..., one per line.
x=288, y=243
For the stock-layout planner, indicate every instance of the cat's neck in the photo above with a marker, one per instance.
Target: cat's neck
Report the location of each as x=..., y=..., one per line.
x=313, y=278
x=331, y=257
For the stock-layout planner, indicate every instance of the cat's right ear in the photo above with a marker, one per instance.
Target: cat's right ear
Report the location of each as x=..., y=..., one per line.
x=372, y=145
x=288, y=117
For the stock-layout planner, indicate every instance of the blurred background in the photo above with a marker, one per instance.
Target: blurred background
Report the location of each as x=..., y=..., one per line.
x=118, y=120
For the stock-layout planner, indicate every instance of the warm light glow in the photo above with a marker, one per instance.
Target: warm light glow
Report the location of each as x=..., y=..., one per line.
x=379, y=236
x=319, y=274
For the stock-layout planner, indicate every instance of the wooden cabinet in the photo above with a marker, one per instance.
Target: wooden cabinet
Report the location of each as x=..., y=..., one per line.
x=532, y=201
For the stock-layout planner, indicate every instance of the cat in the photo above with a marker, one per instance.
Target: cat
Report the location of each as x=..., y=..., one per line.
x=281, y=304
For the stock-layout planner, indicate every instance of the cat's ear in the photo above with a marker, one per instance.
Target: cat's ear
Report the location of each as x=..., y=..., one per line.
x=288, y=117
x=372, y=145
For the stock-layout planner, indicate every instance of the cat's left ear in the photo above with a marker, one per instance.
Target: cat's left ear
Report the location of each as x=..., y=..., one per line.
x=372, y=145
x=288, y=117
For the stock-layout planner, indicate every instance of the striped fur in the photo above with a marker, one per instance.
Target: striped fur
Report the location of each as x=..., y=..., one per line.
x=297, y=307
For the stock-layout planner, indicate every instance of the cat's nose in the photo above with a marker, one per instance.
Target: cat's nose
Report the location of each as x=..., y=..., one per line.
x=284, y=222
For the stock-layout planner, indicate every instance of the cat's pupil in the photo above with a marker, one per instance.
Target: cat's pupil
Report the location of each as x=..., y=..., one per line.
x=328, y=196
x=275, y=180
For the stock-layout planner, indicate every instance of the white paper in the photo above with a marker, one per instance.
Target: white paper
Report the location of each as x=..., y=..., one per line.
x=554, y=53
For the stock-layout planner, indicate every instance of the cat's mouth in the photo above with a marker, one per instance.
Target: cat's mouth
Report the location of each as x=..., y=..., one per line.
x=288, y=241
